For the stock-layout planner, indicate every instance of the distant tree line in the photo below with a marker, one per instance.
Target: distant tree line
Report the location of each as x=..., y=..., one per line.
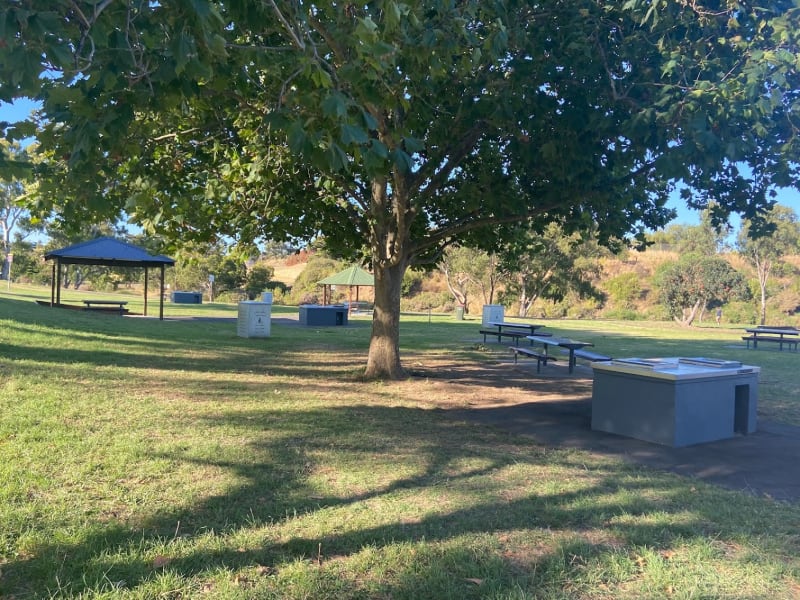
x=534, y=273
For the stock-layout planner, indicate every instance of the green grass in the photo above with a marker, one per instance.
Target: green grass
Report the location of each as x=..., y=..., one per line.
x=147, y=459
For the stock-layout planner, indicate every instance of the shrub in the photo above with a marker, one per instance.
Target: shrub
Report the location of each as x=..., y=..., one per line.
x=624, y=314
x=279, y=295
x=424, y=301
x=230, y=297
x=744, y=313
x=258, y=279
x=307, y=282
x=624, y=290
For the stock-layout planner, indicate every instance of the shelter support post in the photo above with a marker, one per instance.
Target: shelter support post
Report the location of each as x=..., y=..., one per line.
x=53, y=285
x=58, y=282
x=145, y=291
x=161, y=297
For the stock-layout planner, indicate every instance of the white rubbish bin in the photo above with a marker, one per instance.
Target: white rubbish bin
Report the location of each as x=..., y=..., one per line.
x=254, y=319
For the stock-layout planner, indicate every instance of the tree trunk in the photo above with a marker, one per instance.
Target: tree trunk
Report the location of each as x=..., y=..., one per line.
x=383, y=361
x=687, y=319
x=763, y=267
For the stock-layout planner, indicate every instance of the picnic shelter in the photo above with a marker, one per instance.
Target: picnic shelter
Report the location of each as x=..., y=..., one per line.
x=352, y=277
x=109, y=252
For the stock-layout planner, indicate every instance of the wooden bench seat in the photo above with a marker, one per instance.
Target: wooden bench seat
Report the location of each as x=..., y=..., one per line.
x=531, y=353
x=780, y=340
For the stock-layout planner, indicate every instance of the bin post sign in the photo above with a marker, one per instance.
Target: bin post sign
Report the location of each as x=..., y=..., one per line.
x=210, y=287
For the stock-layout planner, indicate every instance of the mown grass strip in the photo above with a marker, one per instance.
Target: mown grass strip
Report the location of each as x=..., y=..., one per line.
x=143, y=459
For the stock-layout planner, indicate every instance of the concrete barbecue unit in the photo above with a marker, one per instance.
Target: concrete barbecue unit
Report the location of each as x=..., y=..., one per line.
x=675, y=401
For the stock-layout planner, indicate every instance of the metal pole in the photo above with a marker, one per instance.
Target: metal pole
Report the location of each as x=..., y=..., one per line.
x=161, y=297
x=146, y=276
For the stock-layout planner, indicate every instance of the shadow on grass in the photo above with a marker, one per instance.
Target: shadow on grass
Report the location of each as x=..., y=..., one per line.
x=427, y=499
x=454, y=484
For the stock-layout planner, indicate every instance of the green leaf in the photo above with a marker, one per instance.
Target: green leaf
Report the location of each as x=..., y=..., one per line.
x=369, y=121
x=183, y=52
x=337, y=158
x=217, y=45
x=402, y=160
x=334, y=105
x=379, y=149
x=297, y=138
x=413, y=145
x=352, y=134
x=321, y=78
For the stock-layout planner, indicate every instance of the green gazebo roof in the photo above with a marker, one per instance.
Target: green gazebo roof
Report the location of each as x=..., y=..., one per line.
x=354, y=275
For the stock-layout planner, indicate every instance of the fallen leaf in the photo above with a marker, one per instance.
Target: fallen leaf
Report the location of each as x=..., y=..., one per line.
x=161, y=561
x=474, y=580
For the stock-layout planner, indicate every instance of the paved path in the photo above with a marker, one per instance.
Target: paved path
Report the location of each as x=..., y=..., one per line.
x=764, y=463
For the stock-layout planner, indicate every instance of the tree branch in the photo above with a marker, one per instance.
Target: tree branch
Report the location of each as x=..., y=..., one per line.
x=473, y=221
x=433, y=179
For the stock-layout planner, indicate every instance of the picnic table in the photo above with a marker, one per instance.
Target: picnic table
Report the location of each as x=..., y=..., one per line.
x=104, y=304
x=530, y=328
x=512, y=330
x=571, y=345
x=772, y=334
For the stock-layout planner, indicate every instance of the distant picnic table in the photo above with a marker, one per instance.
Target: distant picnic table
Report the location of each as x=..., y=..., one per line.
x=773, y=334
x=106, y=304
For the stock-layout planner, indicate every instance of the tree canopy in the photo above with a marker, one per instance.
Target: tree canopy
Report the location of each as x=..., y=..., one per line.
x=396, y=128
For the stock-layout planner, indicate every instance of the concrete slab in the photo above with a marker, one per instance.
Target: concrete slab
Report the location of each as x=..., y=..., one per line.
x=766, y=462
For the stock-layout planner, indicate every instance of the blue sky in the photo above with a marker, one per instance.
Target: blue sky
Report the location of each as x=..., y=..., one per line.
x=787, y=197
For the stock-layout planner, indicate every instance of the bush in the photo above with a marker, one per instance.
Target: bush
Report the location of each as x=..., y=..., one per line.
x=744, y=313
x=307, y=283
x=424, y=301
x=412, y=282
x=624, y=290
x=623, y=314
x=279, y=295
x=656, y=312
x=230, y=297
x=258, y=279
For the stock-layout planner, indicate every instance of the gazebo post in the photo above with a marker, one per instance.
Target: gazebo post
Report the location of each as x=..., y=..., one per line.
x=145, y=291
x=58, y=282
x=161, y=297
x=52, y=285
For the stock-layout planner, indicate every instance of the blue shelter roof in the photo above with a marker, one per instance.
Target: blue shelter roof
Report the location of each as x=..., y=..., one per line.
x=110, y=252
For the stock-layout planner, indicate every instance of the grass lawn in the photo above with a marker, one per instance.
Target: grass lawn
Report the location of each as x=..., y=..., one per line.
x=148, y=459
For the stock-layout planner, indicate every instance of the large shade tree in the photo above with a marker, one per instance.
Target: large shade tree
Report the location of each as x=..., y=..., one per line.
x=395, y=128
